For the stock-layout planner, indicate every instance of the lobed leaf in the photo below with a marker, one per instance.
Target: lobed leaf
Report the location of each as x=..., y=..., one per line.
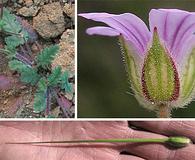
x=54, y=77
x=28, y=74
x=17, y=65
x=11, y=25
x=47, y=55
x=65, y=83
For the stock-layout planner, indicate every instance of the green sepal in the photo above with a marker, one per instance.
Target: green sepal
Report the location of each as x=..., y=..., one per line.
x=188, y=79
x=131, y=67
x=160, y=79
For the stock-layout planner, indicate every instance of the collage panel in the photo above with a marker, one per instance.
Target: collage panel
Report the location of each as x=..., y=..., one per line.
x=129, y=61
x=136, y=59
x=37, y=52
x=98, y=140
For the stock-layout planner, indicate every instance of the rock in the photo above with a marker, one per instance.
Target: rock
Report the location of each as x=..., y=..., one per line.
x=69, y=9
x=40, y=2
x=50, y=23
x=28, y=3
x=20, y=2
x=65, y=57
x=28, y=12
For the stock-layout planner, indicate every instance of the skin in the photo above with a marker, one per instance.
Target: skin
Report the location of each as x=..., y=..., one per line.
x=43, y=131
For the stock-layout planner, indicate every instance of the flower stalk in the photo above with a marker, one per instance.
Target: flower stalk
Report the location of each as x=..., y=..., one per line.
x=163, y=111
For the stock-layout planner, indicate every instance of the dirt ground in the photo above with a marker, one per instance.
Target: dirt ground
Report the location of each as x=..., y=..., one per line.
x=51, y=22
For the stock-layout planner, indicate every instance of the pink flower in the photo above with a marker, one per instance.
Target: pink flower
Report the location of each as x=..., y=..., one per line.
x=160, y=62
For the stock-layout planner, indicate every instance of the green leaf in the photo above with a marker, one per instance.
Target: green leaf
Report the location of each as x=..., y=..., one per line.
x=11, y=24
x=28, y=75
x=17, y=66
x=14, y=41
x=54, y=77
x=40, y=96
x=47, y=55
x=65, y=83
x=2, y=23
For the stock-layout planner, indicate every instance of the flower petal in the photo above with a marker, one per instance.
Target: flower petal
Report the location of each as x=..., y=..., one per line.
x=104, y=31
x=176, y=28
x=129, y=25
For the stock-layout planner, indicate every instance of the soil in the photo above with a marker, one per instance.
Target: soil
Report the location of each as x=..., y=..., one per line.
x=48, y=22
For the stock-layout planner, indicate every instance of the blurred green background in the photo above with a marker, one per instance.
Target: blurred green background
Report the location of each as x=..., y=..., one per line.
x=102, y=81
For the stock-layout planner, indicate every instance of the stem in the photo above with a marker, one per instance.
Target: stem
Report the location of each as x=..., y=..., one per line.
x=23, y=59
x=48, y=101
x=163, y=111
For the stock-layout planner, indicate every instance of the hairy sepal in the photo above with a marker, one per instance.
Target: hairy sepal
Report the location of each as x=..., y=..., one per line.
x=131, y=66
x=187, y=82
x=160, y=79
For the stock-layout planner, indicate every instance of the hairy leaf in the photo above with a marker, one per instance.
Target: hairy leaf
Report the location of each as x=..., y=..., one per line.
x=40, y=96
x=54, y=77
x=47, y=55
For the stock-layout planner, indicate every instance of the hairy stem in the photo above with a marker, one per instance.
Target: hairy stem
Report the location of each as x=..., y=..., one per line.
x=163, y=111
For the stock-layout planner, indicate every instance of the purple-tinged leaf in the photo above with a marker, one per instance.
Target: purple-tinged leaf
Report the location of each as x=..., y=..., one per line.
x=5, y=82
x=28, y=28
x=65, y=104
